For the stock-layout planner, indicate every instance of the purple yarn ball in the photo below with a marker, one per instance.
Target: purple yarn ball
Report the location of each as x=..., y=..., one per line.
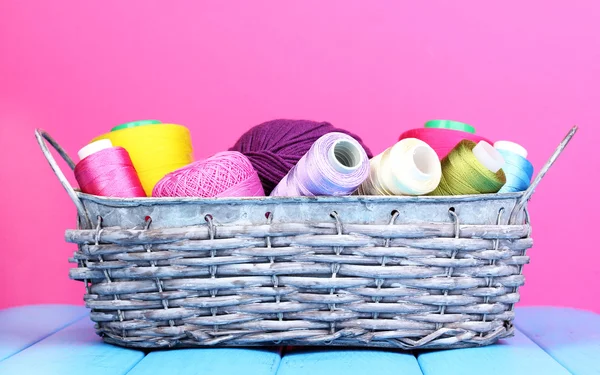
x=274, y=147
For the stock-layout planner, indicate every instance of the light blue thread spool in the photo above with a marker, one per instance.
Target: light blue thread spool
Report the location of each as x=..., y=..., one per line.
x=517, y=168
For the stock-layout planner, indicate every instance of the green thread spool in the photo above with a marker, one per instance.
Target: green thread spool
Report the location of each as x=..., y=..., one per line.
x=134, y=124
x=449, y=124
x=463, y=173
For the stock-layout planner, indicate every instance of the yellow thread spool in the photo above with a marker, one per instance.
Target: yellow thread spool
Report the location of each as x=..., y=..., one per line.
x=155, y=150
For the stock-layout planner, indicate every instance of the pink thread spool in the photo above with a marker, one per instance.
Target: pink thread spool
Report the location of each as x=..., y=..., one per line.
x=441, y=140
x=226, y=174
x=107, y=171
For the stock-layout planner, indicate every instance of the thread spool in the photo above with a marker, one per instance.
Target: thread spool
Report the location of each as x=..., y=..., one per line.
x=133, y=124
x=441, y=140
x=410, y=167
x=449, y=124
x=155, y=149
x=275, y=147
x=107, y=171
x=226, y=174
x=512, y=147
x=336, y=164
x=518, y=170
x=471, y=168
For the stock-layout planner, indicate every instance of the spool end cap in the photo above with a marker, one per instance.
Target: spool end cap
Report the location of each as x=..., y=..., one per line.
x=94, y=147
x=345, y=155
x=511, y=147
x=488, y=156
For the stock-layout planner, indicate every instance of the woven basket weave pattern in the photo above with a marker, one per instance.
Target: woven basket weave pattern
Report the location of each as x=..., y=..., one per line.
x=328, y=282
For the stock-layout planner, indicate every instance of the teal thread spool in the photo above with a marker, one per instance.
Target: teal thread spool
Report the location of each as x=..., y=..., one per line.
x=133, y=124
x=449, y=124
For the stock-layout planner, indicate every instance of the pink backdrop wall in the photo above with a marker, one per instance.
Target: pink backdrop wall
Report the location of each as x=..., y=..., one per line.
x=524, y=70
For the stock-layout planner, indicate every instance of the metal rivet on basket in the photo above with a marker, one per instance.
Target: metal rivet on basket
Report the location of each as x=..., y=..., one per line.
x=211, y=226
x=98, y=230
x=338, y=222
x=269, y=217
x=395, y=214
x=452, y=213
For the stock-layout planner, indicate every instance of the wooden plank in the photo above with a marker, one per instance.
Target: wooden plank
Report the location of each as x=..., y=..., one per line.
x=325, y=361
x=73, y=350
x=213, y=361
x=21, y=327
x=571, y=337
x=517, y=355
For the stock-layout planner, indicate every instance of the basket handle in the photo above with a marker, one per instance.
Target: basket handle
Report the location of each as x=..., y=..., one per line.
x=41, y=135
x=520, y=206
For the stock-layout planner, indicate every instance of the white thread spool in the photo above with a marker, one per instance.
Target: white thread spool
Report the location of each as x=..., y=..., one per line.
x=512, y=147
x=94, y=147
x=488, y=156
x=410, y=167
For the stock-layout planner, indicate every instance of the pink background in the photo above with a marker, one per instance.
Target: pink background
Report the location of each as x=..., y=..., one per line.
x=522, y=70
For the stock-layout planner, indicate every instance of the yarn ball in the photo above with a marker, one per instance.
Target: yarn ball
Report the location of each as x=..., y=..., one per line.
x=226, y=174
x=274, y=147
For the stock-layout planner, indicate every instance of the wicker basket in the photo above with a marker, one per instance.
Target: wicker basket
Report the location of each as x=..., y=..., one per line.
x=400, y=272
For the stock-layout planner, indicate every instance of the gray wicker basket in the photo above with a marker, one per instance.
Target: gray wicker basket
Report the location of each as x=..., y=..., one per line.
x=399, y=272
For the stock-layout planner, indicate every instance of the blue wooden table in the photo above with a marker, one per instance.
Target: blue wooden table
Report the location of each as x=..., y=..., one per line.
x=59, y=339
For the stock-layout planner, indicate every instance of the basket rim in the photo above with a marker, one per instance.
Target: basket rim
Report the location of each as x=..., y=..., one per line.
x=145, y=201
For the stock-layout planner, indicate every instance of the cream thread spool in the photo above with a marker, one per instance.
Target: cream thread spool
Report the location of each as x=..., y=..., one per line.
x=410, y=167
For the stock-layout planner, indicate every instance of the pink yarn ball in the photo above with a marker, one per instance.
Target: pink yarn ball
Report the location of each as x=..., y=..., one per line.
x=226, y=174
